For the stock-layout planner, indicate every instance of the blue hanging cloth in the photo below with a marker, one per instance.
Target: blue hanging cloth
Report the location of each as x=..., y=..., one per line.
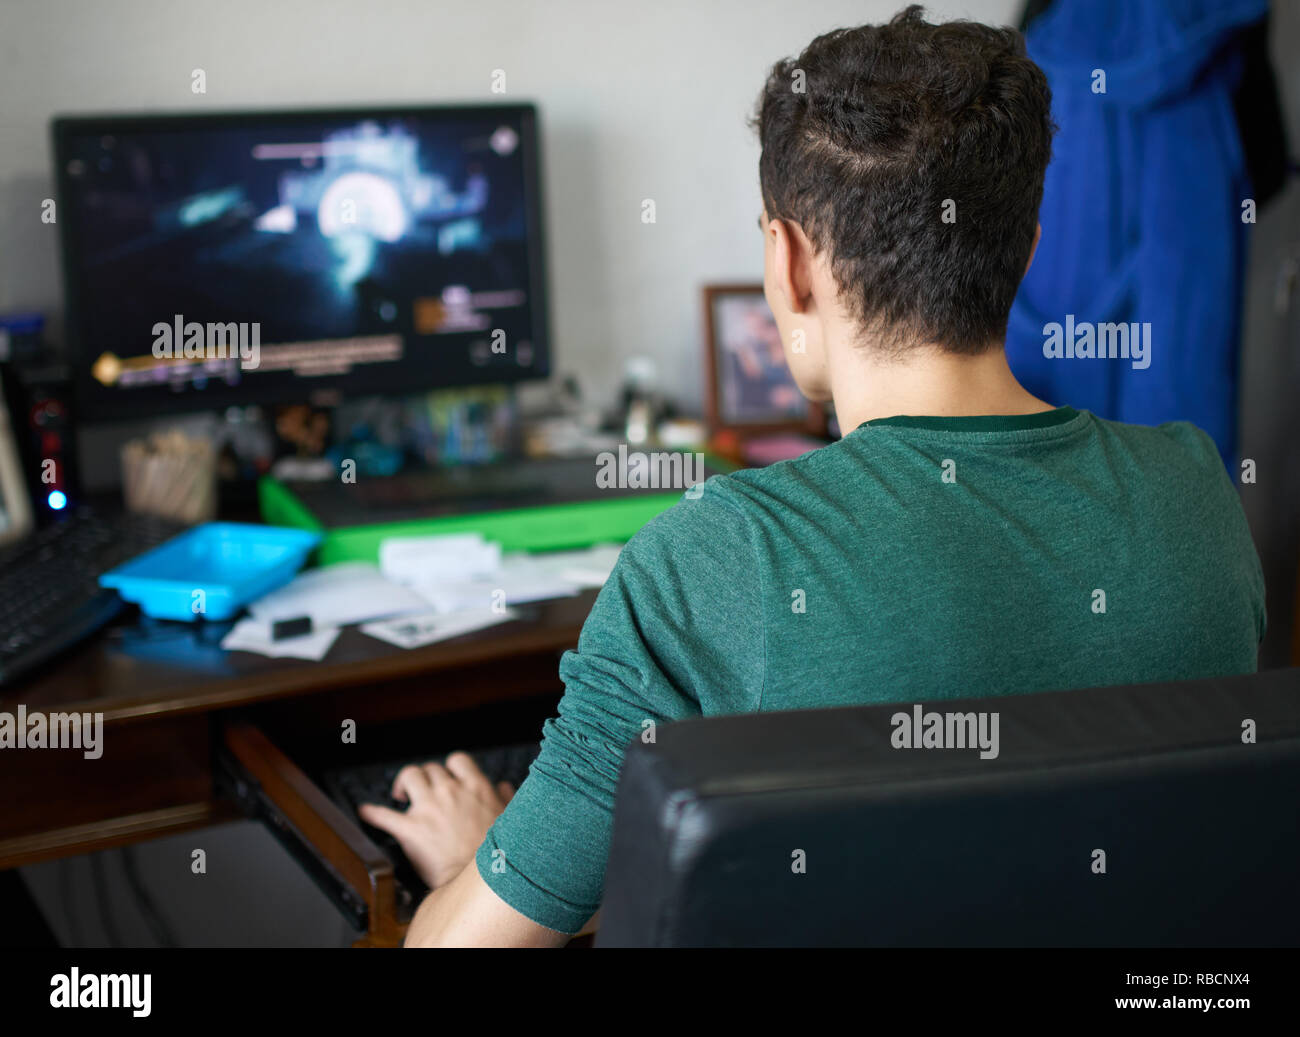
x=1142, y=210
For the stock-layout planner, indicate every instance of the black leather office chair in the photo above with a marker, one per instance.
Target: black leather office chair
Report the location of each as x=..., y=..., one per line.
x=1200, y=830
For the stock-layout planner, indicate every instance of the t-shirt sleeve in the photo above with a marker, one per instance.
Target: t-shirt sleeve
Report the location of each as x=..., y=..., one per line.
x=675, y=632
x=1233, y=525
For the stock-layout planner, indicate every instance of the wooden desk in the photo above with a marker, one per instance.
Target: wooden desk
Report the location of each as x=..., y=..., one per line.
x=173, y=702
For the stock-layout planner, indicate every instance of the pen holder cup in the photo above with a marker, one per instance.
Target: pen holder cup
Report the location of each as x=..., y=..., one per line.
x=172, y=476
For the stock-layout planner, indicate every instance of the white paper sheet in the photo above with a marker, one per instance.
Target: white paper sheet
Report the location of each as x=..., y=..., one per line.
x=519, y=581
x=589, y=567
x=409, y=560
x=350, y=592
x=252, y=635
x=414, y=631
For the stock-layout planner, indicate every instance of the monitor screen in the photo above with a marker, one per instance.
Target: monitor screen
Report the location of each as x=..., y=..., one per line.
x=261, y=257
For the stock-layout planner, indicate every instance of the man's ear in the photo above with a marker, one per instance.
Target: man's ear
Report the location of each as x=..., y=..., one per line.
x=791, y=255
x=1038, y=234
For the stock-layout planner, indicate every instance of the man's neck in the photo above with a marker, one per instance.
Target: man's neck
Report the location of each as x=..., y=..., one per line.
x=925, y=382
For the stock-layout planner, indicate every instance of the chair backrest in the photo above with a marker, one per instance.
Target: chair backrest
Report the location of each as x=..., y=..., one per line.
x=1145, y=815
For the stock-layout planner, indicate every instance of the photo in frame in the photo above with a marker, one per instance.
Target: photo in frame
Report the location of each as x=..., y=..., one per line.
x=749, y=387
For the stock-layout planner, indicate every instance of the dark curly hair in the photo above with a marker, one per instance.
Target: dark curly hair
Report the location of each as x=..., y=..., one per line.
x=892, y=121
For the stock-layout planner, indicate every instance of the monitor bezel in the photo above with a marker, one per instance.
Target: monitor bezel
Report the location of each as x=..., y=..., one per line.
x=98, y=407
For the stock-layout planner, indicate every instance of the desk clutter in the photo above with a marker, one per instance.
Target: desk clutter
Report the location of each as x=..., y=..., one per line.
x=170, y=475
x=425, y=589
x=212, y=570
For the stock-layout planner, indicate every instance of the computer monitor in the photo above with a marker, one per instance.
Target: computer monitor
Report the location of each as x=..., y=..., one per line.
x=266, y=257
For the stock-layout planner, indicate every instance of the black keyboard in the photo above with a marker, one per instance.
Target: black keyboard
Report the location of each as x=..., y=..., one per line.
x=50, y=597
x=373, y=783
x=456, y=490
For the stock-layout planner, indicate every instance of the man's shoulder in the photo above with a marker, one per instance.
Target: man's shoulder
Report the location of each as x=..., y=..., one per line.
x=723, y=505
x=1177, y=445
x=1171, y=435
x=709, y=512
x=792, y=483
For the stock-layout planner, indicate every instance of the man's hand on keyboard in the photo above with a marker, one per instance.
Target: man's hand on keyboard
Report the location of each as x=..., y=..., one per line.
x=449, y=812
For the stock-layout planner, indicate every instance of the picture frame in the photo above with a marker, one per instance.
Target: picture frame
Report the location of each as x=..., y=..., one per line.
x=749, y=388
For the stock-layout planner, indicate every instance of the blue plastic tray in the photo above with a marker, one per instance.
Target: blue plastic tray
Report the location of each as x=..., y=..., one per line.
x=231, y=563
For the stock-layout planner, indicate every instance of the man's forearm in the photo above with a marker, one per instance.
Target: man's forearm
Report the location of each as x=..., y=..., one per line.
x=466, y=913
x=426, y=921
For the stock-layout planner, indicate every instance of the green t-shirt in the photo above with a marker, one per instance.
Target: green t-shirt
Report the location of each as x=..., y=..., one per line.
x=916, y=559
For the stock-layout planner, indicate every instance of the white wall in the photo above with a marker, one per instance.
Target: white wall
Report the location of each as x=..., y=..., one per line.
x=638, y=100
